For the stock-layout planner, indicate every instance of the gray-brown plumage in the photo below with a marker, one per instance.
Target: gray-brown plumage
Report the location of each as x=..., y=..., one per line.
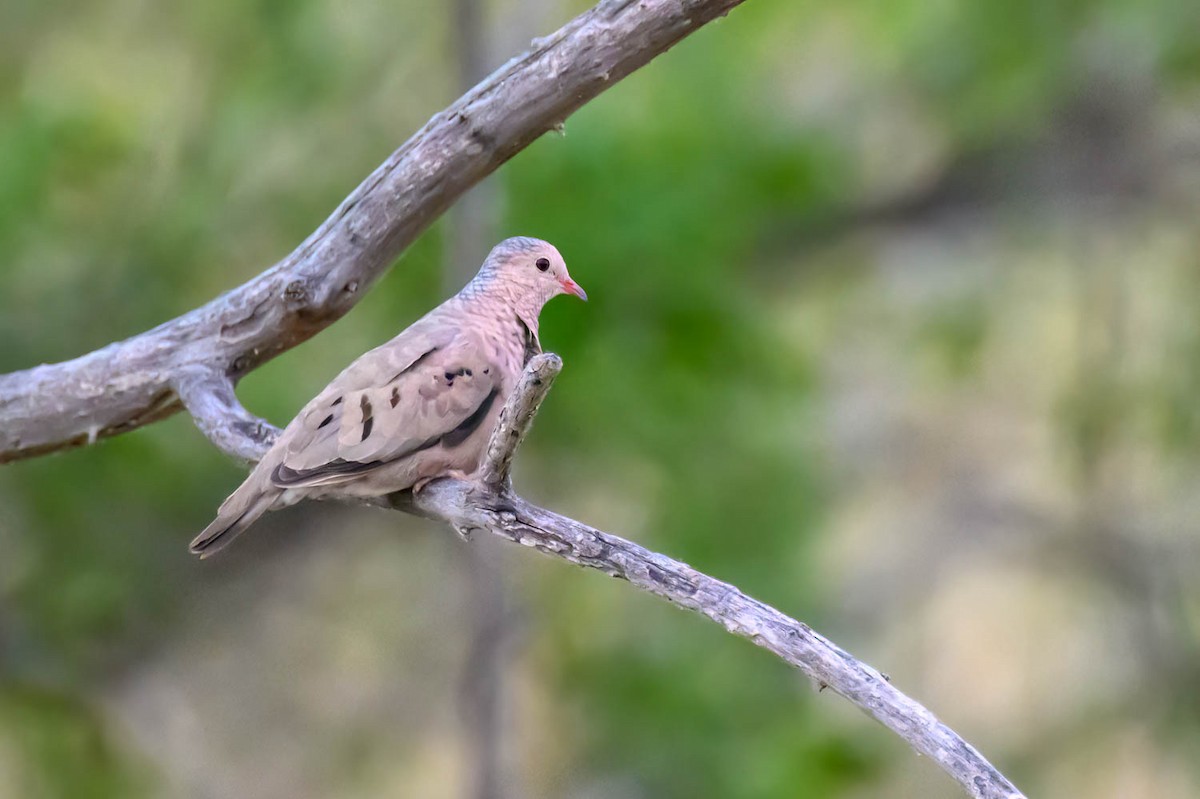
x=419, y=407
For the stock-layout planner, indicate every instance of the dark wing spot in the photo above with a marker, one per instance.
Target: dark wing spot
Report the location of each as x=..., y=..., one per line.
x=395, y=396
x=284, y=476
x=465, y=371
x=325, y=422
x=337, y=401
x=368, y=420
x=469, y=425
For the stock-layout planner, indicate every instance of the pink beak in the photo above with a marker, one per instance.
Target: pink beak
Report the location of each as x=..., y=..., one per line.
x=571, y=287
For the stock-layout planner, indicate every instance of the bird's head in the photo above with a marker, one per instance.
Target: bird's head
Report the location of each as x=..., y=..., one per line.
x=532, y=270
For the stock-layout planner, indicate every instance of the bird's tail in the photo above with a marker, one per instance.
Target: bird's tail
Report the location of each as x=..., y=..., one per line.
x=239, y=511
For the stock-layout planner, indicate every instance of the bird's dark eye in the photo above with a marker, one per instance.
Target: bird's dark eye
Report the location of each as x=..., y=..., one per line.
x=542, y=264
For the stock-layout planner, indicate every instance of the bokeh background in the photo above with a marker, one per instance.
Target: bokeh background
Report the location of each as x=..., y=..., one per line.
x=894, y=324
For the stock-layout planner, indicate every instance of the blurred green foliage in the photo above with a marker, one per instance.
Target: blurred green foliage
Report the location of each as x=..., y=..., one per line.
x=152, y=156
x=63, y=740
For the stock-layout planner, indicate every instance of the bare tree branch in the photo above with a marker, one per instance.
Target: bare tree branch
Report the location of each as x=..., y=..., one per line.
x=516, y=418
x=195, y=360
x=134, y=382
x=495, y=508
x=208, y=396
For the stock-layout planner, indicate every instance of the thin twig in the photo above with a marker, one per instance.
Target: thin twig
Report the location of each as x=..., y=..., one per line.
x=516, y=418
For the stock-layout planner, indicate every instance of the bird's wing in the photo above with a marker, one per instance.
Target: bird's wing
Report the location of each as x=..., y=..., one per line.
x=422, y=389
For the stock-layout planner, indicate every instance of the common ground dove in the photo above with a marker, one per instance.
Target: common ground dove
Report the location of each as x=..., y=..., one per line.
x=419, y=407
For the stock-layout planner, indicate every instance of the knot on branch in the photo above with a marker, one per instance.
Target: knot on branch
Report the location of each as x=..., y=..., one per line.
x=295, y=294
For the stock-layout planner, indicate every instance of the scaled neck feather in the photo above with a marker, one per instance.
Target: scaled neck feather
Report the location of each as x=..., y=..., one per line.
x=502, y=299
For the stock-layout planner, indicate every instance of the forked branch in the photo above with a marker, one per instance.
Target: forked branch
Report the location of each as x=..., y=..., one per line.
x=197, y=358
x=491, y=505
